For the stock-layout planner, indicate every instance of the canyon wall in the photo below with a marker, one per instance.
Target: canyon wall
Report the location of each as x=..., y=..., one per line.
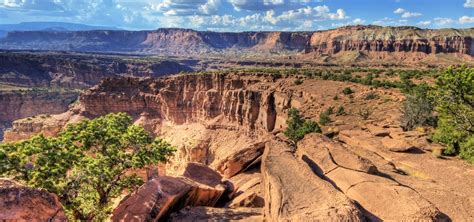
x=76, y=71
x=186, y=99
x=189, y=42
x=17, y=105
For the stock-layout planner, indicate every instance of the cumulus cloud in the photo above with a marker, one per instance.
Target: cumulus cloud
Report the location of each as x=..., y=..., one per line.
x=443, y=21
x=469, y=4
x=424, y=23
x=411, y=14
x=466, y=19
x=185, y=7
x=406, y=14
x=358, y=21
x=399, y=11
x=264, y=5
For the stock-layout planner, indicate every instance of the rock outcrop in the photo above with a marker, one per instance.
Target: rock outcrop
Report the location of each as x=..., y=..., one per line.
x=383, y=198
x=21, y=203
x=294, y=193
x=18, y=105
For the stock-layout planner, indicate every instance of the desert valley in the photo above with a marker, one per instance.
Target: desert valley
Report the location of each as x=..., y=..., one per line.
x=356, y=123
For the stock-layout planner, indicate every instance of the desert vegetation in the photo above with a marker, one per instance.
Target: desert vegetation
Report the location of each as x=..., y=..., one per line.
x=298, y=127
x=448, y=106
x=87, y=165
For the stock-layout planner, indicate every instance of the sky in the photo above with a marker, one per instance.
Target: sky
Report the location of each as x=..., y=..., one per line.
x=242, y=15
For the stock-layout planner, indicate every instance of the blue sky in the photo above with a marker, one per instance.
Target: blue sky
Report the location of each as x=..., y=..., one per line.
x=242, y=15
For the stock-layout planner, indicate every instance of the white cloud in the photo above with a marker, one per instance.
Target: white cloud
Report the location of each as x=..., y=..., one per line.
x=406, y=14
x=399, y=11
x=210, y=7
x=411, y=14
x=424, y=23
x=443, y=21
x=469, y=4
x=466, y=19
x=358, y=21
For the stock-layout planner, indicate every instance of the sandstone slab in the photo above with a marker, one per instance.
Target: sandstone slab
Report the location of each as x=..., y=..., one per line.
x=294, y=193
x=383, y=198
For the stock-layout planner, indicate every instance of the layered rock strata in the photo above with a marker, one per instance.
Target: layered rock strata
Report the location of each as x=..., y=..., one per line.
x=190, y=42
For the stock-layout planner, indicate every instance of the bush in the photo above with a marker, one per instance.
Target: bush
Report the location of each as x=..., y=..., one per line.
x=324, y=118
x=298, y=127
x=340, y=111
x=298, y=81
x=335, y=97
x=454, y=99
x=330, y=110
x=347, y=91
x=417, y=109
x=371, y=95
x=87, y=165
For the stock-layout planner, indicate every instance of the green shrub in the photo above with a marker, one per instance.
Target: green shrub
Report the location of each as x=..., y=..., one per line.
x=417, y=109
x=324, y=118
x=454, y=99
x=347, y=91
x=335, y=97
x=330, y=110
x=298, y=127
x=298, y=81
x=371, y=95
x=340, y=111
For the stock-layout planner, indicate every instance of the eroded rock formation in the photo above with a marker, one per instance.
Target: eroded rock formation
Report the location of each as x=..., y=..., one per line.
x=190, y=42
x=18, y=105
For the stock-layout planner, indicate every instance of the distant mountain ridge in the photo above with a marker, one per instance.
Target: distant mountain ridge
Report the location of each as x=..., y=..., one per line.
x=372, y=40
x=52, y=26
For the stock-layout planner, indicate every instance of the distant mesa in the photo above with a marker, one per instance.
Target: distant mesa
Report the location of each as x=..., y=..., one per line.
x=373, y=41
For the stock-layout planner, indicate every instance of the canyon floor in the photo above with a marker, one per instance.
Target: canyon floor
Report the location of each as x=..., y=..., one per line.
x=233, y=162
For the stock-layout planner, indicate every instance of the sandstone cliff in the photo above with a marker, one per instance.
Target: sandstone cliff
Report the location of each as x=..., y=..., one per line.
x=189, y=42
x=76, y=71
x=17, y=105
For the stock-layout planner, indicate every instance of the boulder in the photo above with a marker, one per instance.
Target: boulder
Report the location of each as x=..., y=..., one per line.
x=204, y=214
x=382, y=198
x=294, y=193
x=198, y=186
x=201, y=173
x=21, y=203
x=240, y=160
x=378, y=130
x=397, y=145
x=152, y=200
x=248, y=190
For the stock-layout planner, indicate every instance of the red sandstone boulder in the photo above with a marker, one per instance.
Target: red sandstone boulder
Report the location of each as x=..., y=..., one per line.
x=198, y=186
x=21, y=203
